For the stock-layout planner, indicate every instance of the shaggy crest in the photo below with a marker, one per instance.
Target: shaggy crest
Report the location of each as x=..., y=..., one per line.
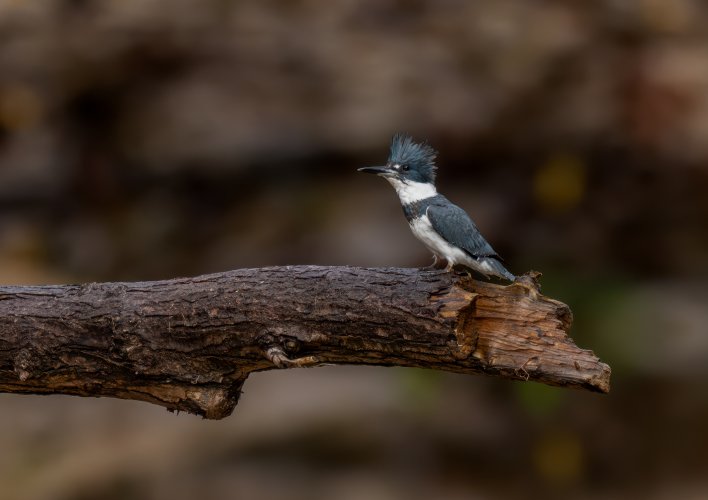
x=419, y=157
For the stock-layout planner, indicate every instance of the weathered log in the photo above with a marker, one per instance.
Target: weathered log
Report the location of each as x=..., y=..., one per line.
x=189, y=344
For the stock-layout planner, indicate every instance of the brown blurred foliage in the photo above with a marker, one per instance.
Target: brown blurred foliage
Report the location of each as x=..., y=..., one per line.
x=152, y=139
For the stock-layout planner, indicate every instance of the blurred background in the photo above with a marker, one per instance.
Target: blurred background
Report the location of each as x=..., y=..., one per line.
x=162, y=138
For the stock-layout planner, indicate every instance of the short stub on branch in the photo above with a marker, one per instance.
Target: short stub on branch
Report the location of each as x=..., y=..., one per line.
x=189, y=344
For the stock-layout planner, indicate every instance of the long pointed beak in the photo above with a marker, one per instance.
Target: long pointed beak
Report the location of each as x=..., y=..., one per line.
x=376, y=170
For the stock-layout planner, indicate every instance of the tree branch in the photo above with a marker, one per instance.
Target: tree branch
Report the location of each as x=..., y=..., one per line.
x=189, y=344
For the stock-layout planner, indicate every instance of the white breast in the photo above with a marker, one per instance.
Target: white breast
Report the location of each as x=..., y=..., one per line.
x=423, y=230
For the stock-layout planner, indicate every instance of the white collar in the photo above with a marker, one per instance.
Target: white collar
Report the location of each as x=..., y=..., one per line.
x=411, y=192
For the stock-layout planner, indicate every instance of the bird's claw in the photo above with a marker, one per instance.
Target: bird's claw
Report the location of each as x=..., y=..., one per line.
x=438, y=264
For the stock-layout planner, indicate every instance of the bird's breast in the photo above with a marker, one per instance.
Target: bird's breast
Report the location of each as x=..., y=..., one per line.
x=424, y=231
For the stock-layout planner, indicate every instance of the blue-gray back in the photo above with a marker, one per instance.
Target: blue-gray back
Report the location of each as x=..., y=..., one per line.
x=452, y=223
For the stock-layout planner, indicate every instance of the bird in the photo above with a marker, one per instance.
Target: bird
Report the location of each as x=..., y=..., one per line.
x=442, y=226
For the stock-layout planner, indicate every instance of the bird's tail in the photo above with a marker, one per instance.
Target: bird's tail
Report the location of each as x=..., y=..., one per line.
x=496, y=268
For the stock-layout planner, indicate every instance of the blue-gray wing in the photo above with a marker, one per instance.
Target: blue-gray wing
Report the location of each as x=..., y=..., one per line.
x=456, y=227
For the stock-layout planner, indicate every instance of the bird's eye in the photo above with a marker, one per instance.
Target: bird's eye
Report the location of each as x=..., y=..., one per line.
x=404, y=167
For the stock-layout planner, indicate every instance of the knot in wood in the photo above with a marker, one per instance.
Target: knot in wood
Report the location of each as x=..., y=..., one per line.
x=23, y=364
x=276, y=355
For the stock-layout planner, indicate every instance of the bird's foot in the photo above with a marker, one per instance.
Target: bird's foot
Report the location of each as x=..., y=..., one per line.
x=438, y=264
x=459, y=270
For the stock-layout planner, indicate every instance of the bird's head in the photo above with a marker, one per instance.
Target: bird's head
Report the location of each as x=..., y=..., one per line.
x=408, y=161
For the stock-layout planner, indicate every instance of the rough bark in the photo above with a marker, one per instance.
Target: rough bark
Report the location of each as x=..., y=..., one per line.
x=189, y=344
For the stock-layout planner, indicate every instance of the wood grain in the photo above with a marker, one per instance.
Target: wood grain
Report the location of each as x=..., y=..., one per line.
x=189, y=344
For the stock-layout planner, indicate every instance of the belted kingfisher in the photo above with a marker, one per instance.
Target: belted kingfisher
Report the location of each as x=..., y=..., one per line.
x=443, y=227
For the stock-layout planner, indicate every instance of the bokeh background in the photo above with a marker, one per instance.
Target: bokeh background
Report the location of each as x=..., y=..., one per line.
x=161, y=138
